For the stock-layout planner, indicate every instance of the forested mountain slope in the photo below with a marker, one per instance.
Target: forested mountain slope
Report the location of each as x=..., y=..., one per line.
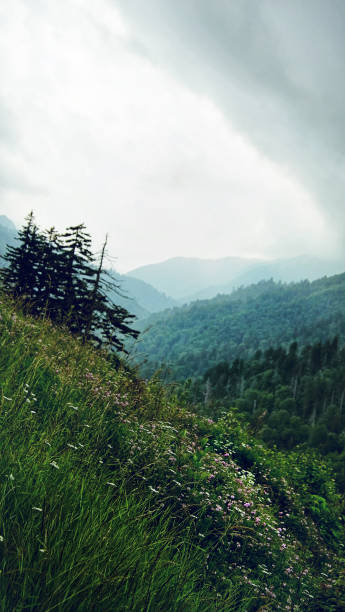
x=289, y=397
x=193, y=338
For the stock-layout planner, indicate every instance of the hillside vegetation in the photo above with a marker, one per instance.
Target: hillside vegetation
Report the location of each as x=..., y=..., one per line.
x=116, y=497
x=191, y=339
x=289, y=397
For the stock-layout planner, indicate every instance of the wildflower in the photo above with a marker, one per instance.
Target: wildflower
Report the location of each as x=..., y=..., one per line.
x=36, y=508
x=9, y=399
x=111, y=484
x=11, y=477
x=1, y=538
x=54, y=464
x=153, y=490
x=72, y=446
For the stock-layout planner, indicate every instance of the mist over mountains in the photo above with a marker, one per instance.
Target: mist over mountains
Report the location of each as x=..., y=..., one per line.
x=189, y=279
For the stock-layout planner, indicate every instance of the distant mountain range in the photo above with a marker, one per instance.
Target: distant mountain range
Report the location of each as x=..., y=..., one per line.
x=138, y=297
x=188, y=279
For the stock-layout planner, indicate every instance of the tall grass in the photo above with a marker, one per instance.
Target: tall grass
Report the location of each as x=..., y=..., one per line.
x=78, y=530
x=113, y=497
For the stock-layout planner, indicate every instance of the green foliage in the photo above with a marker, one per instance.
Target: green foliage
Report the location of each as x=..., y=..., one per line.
x=114, y=497
x=201, y=335
x=54, y=275
x=289, y=397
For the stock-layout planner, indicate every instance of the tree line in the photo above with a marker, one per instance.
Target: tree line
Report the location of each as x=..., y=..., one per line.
x=58, y=276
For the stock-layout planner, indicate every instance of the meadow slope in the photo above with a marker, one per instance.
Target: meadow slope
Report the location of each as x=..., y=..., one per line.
x=116, y=497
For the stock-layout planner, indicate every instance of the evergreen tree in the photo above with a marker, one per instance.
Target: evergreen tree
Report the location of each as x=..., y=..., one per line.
x=55, y=276
x=48, y=290
x=19, y=277
x=75, y=278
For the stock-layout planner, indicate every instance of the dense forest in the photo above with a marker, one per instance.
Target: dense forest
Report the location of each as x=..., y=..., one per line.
x=191, y=339
x=289, y=397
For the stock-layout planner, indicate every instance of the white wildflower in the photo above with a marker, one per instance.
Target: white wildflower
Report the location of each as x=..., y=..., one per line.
x=54, y=464
x=36, y=508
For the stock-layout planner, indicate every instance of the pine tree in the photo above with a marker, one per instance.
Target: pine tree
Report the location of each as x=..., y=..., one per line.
x=55, y=276
x=19, y=277
x=49, y=275
x=75, y=278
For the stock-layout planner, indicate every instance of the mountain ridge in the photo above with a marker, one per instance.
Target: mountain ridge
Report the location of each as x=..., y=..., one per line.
x=188, y=279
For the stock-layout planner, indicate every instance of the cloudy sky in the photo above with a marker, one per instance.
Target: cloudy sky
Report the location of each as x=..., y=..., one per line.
x=181, y=127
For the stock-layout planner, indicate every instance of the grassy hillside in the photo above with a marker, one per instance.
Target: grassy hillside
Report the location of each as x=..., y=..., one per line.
x=116, y=497
x=198, y=336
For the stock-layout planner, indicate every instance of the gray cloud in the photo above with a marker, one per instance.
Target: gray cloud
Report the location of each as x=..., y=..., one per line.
x=275, y=68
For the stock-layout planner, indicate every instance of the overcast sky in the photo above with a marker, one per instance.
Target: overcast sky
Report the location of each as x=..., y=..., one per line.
x=200, y=128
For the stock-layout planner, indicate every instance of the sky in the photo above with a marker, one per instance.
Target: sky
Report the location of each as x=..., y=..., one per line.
x=186, y=128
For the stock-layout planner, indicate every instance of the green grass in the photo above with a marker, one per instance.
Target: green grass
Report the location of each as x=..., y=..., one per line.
x=114, y=497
